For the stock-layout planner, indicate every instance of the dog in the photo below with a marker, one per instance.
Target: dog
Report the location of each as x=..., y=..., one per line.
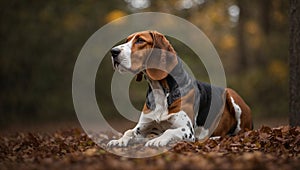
x=177, y=106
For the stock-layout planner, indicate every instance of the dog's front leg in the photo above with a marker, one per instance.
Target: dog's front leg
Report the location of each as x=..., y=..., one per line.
x=123, y=141
x=140, y=130
x=181, y=129
x=170, y=135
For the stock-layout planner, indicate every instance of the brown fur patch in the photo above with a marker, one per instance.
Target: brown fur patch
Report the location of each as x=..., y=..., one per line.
x=140, y=51
x=226, y=123
x=143, y=54
x=164, y=84
x=146, y=110
x=162, y=59
x=228, y=119
x=246, y=117
x=185, y=103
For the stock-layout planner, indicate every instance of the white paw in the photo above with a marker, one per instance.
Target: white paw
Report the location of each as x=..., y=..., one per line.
x=120, y=142
x=157, y=142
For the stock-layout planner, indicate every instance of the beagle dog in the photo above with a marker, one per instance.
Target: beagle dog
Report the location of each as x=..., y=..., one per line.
x=177, y=106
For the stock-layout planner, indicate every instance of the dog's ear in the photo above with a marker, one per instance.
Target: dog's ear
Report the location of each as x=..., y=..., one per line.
x=139, y=77
x=162, y=59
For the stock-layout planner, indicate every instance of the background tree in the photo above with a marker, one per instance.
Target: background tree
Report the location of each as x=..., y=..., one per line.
x=294, y=62
x=42, y=39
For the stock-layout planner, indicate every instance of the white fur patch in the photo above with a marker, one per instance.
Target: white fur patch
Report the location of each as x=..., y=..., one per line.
x=215, y=137
x=160, y=113
x=180, y=128
x=238, y=113
x=125, y=55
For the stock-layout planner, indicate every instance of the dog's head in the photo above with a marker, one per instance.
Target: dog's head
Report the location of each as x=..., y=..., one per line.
x=147, y=51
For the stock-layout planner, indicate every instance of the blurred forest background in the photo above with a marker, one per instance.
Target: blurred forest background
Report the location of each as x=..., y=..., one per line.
x=40, y=42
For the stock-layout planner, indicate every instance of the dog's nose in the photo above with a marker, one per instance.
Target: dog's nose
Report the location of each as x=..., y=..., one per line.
x=115, y=52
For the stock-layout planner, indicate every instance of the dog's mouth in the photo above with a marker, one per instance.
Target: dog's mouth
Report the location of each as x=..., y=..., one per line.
x=116, y=64
x=119, y=66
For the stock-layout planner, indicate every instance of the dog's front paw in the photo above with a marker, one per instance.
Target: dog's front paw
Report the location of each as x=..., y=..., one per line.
x=122, y=142
x=157, y=142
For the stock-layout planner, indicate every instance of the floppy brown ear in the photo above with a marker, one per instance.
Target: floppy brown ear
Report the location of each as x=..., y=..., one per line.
x=162, y=59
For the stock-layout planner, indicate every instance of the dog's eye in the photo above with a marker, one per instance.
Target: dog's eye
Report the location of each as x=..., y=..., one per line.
x=139, y=41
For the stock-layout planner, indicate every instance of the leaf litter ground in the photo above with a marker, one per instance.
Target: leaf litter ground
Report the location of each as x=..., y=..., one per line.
x=265, y=148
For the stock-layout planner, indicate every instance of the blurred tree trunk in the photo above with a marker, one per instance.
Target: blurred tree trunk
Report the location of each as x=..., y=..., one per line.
x=294, y=63
x=264, y=20
x=265, y=6
x=242, y=58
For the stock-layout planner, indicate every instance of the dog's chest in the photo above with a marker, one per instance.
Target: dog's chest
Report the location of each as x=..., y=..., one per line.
x=160, y=113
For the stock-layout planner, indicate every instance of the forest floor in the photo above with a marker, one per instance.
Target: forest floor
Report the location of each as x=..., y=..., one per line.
x=263, y=148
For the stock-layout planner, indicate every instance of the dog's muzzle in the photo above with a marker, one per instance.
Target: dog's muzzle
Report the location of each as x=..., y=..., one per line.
x=115, y=53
